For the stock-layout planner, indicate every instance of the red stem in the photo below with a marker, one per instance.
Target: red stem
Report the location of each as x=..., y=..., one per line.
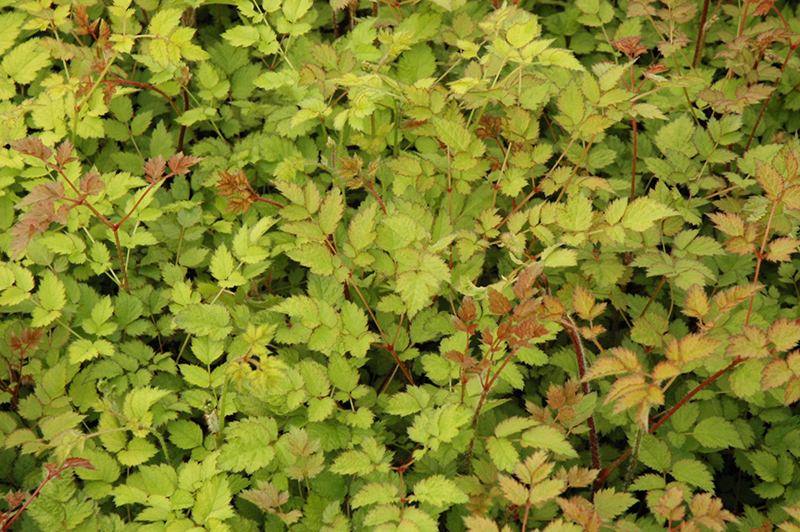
x=50, y=477
x=701, y=35
x=389, y=347
x=120, y=81
x=183, y=128
x=604, y=474
x=580, y=354
x=766, y=102
x=635, y=155
x=371, y=187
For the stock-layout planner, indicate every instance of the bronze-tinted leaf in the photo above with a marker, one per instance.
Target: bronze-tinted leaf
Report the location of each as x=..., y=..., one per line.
x=47, y=192
x=32, y=146
x=91, y=184
x=180, y=163
x=498, y=303
x=64, y=153
x=154, y=169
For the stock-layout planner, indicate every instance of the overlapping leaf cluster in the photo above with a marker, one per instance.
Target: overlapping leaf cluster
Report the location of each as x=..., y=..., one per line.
x=358, y=265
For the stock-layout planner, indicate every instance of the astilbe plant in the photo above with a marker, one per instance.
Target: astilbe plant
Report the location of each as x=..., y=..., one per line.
x=439, y=265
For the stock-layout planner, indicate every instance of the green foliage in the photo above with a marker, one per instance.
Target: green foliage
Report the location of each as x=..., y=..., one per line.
x=428, y=265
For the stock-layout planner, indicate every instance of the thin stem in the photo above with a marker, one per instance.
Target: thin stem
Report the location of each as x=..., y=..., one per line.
x=525, y=519
x=580, y=354
x=701, y=35
x=606, y=472
x=760, y=258
x=766, y=102
x=371, y=187
x=183, y=127
x=575, y=169
x=652, y=297
x=635, y=156
x=389, y=347
x=486, y=387
x=634, y=458
x=50, y=476
x=125, y=284
x=120, y=81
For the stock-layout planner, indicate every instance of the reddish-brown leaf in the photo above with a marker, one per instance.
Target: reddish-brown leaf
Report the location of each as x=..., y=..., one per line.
x=32, y=146
x=630, y=46
x=180, y=163
x=523, y=288
x=350, y=166
x=91, y=184
x=763, y=8
x=81, y=19
x=498, y=303
x=78, y=462
x=154, y=169
x=21, y=235
x=64, y=154
x=16, y=498
x=45, y=192
x=467, y=311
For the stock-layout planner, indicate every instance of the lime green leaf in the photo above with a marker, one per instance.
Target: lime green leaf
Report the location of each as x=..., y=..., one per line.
x=765, y=465
x=476, y=523
x=417, y=63
x=512, y=425
x=10, y=28
x=515, y=492
x=296, y=9
x=352, y=463
x=242, y=35
x=655, y=453
x=343, y=375
x=643, y=212
x=361, y=230
x=571, y=104
x=202, y=319
x=314, y=256
x=52, y=295
x=560, y=57
x=185, y=434
x=416, y=288
x=138, y=451
x=439, y=491
x=677, y=136
x=453, y=133
x=223, y=268
x=577, y=214
x=610, y=504
x=247, y=445
x=375, y=493
x=164, y=21
x=546, y=437
x=694, y=473
x=718, y=433
x=213, y=501
x=330, y=212
x=23, y=62
x=411, y=401
x=502, y=453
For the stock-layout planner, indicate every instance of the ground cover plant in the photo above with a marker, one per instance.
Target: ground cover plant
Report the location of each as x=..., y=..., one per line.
x=430, y=265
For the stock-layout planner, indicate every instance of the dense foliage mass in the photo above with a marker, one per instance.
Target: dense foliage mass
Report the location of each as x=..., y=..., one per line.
x=415, y=266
